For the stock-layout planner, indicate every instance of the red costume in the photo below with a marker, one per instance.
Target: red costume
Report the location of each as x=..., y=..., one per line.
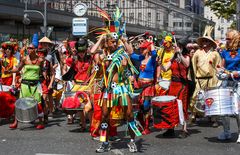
x=178, y=86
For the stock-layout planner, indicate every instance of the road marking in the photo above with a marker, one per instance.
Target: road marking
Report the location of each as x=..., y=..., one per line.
x=49, y=154
x=117, y=152
x=4, y=140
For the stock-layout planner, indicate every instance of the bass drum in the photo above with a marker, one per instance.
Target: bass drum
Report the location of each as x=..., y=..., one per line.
x=165, y=112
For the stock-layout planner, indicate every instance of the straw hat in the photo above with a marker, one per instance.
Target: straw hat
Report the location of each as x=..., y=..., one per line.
x=207, y=36
x=45, y=40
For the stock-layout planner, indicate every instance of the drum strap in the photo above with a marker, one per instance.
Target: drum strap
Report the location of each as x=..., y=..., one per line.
x=198, y=80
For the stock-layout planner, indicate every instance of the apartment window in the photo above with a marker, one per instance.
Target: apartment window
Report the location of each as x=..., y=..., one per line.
x=139, y=4
x=131, y=17
x=188, y=24
x=139, y=15
x=158, y=16
x=175, y=24
x=149, y=15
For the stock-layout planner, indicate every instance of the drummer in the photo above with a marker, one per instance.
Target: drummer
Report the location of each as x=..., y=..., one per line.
x=164, y=54
x=30, y=83
x=179, y=86
x=205, y=61
x=8, y=61
x=82, y=64
x=146, y=80
x=231, y=62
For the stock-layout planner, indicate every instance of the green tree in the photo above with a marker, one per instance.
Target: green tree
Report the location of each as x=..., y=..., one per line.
x=222, y=8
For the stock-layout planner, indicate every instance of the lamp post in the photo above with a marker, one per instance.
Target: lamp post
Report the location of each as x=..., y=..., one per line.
x=44, y=15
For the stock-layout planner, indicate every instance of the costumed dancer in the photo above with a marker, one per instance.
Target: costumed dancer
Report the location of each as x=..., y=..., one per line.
x=100, y=52
x=145, y=80
x=231, y=62
x=179, y=87
x=115, y=93
x=30, y=83
x=205, y=62
x=8, y=62
x=82, y=65
x=165, y=53
x=47, y=77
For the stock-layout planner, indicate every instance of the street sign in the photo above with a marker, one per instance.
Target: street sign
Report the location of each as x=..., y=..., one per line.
x=80, y=26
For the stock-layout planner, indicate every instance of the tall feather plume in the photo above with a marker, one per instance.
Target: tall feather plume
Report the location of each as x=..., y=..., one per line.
x=103, y=13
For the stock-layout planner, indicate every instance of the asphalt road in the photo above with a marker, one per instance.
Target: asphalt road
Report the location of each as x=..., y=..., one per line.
x=60, y=138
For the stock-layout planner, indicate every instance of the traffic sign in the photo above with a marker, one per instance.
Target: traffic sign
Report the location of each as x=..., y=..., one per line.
x=80, y=26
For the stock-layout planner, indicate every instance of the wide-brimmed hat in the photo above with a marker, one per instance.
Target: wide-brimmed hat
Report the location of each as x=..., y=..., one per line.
x=45, y=40
x=207, y=36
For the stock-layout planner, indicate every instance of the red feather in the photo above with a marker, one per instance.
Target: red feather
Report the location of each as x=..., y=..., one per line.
x=7, y=105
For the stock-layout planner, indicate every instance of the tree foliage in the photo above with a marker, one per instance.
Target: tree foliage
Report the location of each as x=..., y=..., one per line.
x=222, y=8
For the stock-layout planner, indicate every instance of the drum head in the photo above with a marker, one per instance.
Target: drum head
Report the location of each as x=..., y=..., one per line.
x=165, y=98
x=134, y=95
x=5, y=88
x=25, y=103
x=164, y=84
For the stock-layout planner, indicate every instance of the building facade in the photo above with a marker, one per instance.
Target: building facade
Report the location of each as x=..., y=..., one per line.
x=222, y=25
x=184, y=17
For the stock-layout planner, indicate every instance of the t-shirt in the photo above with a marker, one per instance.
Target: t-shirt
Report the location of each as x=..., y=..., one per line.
x=166, y=58
x=231, y=63
x=8, y=64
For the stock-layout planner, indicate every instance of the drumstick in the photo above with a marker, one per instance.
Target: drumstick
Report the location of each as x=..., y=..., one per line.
x=140, y=35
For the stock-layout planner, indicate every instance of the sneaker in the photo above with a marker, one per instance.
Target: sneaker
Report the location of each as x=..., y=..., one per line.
x=225, y=136
x=238, y=140
x=103, y=148
x=96, y=138
x=132, y=147
x=215, y=124
x=114, y=138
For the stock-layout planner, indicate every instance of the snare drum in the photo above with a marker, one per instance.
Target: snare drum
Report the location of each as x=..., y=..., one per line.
x=219, y=101
x=5, y=88
x=165, y=112
x=26, y=109
x=162, y=87
x=164, y=84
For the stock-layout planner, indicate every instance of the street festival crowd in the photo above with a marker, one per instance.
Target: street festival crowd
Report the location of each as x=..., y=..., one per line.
x=138, y=81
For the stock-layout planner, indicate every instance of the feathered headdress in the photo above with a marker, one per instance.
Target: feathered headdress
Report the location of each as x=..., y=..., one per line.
x=113, y=26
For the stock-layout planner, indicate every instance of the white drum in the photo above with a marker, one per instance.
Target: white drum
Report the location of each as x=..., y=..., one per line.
x=219, y=101
x=26, y=109
x=5, y=88
x=164, y=84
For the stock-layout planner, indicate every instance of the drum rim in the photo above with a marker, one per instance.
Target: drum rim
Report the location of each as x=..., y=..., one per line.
x=213, y=88
x=164, y=101
x=27, y=98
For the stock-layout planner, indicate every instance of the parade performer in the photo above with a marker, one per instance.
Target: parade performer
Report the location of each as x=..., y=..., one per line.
x=99, y=50
x=205, y=61
x=146, y=80
x=117, y=68
x=47, y=77
x=30, y=83
x=82, y=64
x=231, y=62
x=179, y=87
x=165, y=53
x=8, y=62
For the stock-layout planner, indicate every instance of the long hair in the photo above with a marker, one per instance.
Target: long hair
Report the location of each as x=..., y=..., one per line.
x=235, y=42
